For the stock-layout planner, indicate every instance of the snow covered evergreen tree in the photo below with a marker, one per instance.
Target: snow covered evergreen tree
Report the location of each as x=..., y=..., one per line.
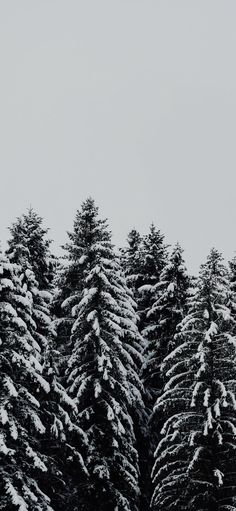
x=195, y=459
x=71, y=273
x=168, y=309
x=102, y=370
x=21, y=381
x=27, y=231
x=58, y=411
x=132, y=261
x=64, y=443
x=154, y=259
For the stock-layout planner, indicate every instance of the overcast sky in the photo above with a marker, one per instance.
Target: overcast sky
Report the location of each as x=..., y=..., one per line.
x=130, y=101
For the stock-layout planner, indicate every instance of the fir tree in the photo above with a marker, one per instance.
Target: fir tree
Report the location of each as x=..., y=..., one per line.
x=169, y=307
x=70, y=279
x=154, y=260
x=21, y=382
x=195, y=459
x=132, y=261
x=102, y=370
x=28, y=232
x=64, y=443
x=57, y=409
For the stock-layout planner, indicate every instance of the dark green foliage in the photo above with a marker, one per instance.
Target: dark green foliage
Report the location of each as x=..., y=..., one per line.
x=28, y=232
x=102, y=369
x=198, y=403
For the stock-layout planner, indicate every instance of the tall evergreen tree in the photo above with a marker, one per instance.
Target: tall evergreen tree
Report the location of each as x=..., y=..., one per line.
x=132, y=261
x=27, y=231
x=102, y=370
x=154, y=259
x=87, y=229
x=195, y=459
x=57, y=409
x=169, y=307
x=21, y=382
x=169, y=295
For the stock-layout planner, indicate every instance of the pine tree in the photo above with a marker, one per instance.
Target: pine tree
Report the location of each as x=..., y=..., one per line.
x=169, y=304
x=57, y=409
x=195, y=459
x=28, y=232
x=169, y=307
x=102, y=369
x=132, y=261
x=64, y=443
x=154, y=259
x=21, y=382
x=70, y=279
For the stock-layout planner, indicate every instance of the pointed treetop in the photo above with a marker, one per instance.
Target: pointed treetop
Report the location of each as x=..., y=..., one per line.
x=29, y=246
x=87, y=227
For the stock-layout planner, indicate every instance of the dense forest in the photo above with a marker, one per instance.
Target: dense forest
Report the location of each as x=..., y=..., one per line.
x=118, y=373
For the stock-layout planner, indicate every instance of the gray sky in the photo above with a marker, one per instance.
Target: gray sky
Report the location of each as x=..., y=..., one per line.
x=130, y=101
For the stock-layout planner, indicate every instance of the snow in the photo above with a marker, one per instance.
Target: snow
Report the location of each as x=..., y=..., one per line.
x=82, y=259
x=171, y=287
x=7, y=283
x=195, y=393
x=8, y=309
x=110, y=413
x=13, y=430
x=217, y=408
x=91, y=316
x=97, y=390
x=43, y=383
x=64, y=397
x=96, y=326
x=195, y=458
x=16, y=499
x=219, y=476
x=207, y=395
x=3, y=448
x=211, y=331
x=38, y=463
x=29, y=494
x=3, y=415
x=10, y=386
x=88, y=295
x=37, y=423
x=208, y=425
x=102, y=472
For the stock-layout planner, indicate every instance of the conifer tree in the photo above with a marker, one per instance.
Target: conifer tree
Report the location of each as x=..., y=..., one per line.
x=57, y=409
x=169, y=307
x=21, y=382
x=195, y=459
x=27, y=231
x=154, y=259
x=102, y=369
x=132, y=261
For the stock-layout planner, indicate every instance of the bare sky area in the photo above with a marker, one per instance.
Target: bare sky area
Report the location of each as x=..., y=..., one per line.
x=132, y=102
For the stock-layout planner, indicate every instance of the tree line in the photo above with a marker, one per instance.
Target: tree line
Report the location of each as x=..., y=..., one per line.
x=117, y=373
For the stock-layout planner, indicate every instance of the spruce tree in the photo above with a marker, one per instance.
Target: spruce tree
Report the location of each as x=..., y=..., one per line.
x=21, y=382
x=132, y=261
x=27, y=231
x=169, y=296
x=70, y=275
x=57, y=409
x=102, y=369
x=195, y=459
x=169, y=307
x=154, y=259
